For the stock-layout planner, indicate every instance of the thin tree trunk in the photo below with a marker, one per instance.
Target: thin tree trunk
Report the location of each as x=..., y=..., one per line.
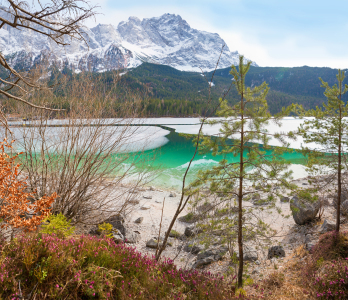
x=339, y=183
x=240, y=197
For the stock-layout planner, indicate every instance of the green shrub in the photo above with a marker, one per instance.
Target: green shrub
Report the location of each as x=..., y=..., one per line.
x=57, y=224
x=106, y=229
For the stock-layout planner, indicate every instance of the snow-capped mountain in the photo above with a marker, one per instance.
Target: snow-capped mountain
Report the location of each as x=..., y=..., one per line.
x=167, y=40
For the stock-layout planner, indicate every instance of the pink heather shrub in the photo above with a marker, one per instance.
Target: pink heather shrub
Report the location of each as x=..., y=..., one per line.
x=88, y=267
x=326, y=270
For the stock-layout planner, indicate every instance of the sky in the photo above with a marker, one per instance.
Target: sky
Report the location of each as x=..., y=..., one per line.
x=286, y=33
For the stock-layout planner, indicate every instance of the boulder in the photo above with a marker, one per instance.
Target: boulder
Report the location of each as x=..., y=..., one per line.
x=276, y=251
x=327, y=226
x=139, y=220
x=147, y=197
x=303, y=211
x=192, y=231
x=117, y=222
x=202, y=262
x=344, y=197
x=151, y=188
x=216, y=253
x=132, y=237
x=284, y=199
x=172, y=194
x=193, y=248
x=249, y=254
x=344, y=208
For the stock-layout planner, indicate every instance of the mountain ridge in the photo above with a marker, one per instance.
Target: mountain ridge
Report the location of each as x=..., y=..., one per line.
x=167, y=40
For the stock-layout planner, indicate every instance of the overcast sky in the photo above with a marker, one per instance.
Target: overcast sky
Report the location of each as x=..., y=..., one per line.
x=270, y=32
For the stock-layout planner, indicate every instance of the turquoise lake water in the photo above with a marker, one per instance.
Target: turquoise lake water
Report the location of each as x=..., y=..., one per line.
x=173, y=157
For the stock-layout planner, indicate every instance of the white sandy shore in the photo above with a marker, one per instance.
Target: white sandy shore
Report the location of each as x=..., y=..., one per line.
x=288, y=234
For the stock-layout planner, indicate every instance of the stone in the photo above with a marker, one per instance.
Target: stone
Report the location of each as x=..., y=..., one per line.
x=303, y=211
x=94, y=231
x=117, y=222
x=145, y=207
x=172, y=194
x=147, y=197
x=151, y=188
x=249, y=254
x=202, y=262
x=152, y=243
x=256, y=197
x=174, y=234
x=205, y=207
x=216, y=253
x=158, y=201
x=304, y=183
x=132, y=237
x=344, y=197
x=344, y=208
x=139, y=220
x=191, y=231
x=133, y=201
x=284, y=199
x=256, y=271
x=257, y=262
x=117, y=236
x=327, y=226
x=193, y=248
x=189, y=218
x=276, y=251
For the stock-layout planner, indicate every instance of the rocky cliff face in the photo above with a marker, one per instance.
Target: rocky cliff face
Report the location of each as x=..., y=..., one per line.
x=167, y=40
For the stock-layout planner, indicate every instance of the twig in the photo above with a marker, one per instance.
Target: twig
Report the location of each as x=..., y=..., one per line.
x=159, y=232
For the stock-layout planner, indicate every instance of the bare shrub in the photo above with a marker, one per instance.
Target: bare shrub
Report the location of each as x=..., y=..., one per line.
x=82, y=156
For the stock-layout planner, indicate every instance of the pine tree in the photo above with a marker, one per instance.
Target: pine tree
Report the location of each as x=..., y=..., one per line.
x=243, y=128
x=328, y=129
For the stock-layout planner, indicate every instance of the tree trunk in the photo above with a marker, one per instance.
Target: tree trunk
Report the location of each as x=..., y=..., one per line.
x=240, y=196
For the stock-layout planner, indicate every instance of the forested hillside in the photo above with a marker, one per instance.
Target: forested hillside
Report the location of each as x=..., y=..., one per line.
x=174, y=92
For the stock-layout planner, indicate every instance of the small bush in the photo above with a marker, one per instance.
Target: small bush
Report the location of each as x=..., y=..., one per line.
x=57, y=224
x=331, y=282
x=106, y=230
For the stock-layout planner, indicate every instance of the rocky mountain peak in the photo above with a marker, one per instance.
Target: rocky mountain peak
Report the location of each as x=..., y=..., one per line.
x=167, y=39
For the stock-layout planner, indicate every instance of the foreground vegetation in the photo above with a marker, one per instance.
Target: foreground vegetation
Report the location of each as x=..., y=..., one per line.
x=44, y=266
x=88, y=267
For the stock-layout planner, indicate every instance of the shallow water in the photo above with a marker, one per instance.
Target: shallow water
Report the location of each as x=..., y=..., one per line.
x=173, y=158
